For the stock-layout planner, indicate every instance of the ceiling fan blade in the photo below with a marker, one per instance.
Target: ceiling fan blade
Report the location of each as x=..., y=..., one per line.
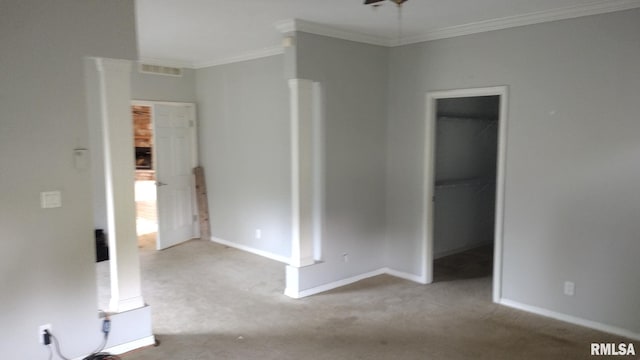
x=377, y=2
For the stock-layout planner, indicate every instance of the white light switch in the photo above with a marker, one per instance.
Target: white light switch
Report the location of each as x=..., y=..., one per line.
x=50, y=199
x=569, y=288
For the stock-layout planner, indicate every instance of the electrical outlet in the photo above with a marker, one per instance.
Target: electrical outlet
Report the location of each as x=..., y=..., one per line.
x=569, y=288
x=345, y=257
x=41, y=330
x=258, y=234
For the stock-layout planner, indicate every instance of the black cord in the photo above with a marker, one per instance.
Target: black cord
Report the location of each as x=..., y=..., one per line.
x=102, y=356
x=101, y=347
x=57, y=346
x=96, y=355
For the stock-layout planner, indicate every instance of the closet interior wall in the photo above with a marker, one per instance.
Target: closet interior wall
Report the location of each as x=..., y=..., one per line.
x=465, y=173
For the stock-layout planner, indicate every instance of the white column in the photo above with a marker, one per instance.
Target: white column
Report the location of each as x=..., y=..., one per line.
x=301, y=97
x=114, y=91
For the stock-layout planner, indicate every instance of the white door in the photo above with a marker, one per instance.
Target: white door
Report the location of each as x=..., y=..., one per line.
x=174, y=154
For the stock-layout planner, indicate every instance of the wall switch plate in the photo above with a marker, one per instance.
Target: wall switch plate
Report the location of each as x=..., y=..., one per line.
x=41, y=330
x=258, y=234
x=569, y=288
x=50, y=199
x=81, y=158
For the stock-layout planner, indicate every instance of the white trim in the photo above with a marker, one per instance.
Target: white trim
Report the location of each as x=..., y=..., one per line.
x=166, y=62
x=128, y=346
x=131, y=345
x=251, y=55
x=570, y=12
x=428, y=175
x=332, y=285
x=295, y=294
x=267, y=254
x=429, y=178
x=318, y=168
x=594, y=8
x=405, y=275
x=301, y=112
x=119, y=305
x=291, y=25
x=571, y=319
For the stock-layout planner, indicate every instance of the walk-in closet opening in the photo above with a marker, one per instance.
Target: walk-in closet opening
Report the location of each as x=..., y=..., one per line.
x=466, y=144
x=465, y=157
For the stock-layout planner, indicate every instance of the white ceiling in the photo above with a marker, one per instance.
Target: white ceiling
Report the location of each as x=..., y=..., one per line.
x=198, y=33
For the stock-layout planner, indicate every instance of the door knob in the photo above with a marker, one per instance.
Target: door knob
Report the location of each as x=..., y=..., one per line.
x=160, y=183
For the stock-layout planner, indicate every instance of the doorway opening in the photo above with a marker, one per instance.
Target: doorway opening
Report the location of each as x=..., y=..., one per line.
x=165, y=141
x=464, y=184
x=145, y=180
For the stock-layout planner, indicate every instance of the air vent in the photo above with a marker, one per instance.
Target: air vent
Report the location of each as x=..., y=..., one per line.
x=160, y=70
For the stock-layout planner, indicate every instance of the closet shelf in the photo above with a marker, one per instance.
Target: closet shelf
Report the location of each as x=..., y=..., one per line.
x=451, y=183
x=490, y=121
x=454, y=117
x=481, y=183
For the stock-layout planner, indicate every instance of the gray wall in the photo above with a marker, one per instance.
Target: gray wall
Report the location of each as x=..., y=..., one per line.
x=47, y=269
x=353, y=78
x=572, y=172
x=163, y=88
x=244, y=149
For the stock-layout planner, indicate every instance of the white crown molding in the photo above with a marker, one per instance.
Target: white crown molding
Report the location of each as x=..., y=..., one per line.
x=165, y=62
x=594, y=8
x=262, y=53
x=291, y=25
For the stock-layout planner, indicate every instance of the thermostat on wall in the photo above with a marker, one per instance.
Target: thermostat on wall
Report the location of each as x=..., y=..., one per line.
x=50, y=199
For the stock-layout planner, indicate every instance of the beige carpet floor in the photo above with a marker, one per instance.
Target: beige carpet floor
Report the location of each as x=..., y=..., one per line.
x=213, y=302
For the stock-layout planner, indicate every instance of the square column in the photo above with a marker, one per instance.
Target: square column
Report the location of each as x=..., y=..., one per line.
x=112, y=87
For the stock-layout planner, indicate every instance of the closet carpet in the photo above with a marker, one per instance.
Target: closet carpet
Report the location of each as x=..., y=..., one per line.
x=213, y=302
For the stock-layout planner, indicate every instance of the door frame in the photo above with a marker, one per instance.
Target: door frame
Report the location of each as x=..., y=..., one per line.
x=194, y=149
x=429, y=178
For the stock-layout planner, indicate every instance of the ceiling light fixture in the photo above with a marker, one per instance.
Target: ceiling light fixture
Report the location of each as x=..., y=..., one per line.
x=376, y=3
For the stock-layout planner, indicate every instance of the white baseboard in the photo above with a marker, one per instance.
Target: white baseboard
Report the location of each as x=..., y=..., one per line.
x=268, y=255
x=291, y=293
x=571, y=319
x=420, y=279
x=130, y=346
x=336, y=284
x=332, y=285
